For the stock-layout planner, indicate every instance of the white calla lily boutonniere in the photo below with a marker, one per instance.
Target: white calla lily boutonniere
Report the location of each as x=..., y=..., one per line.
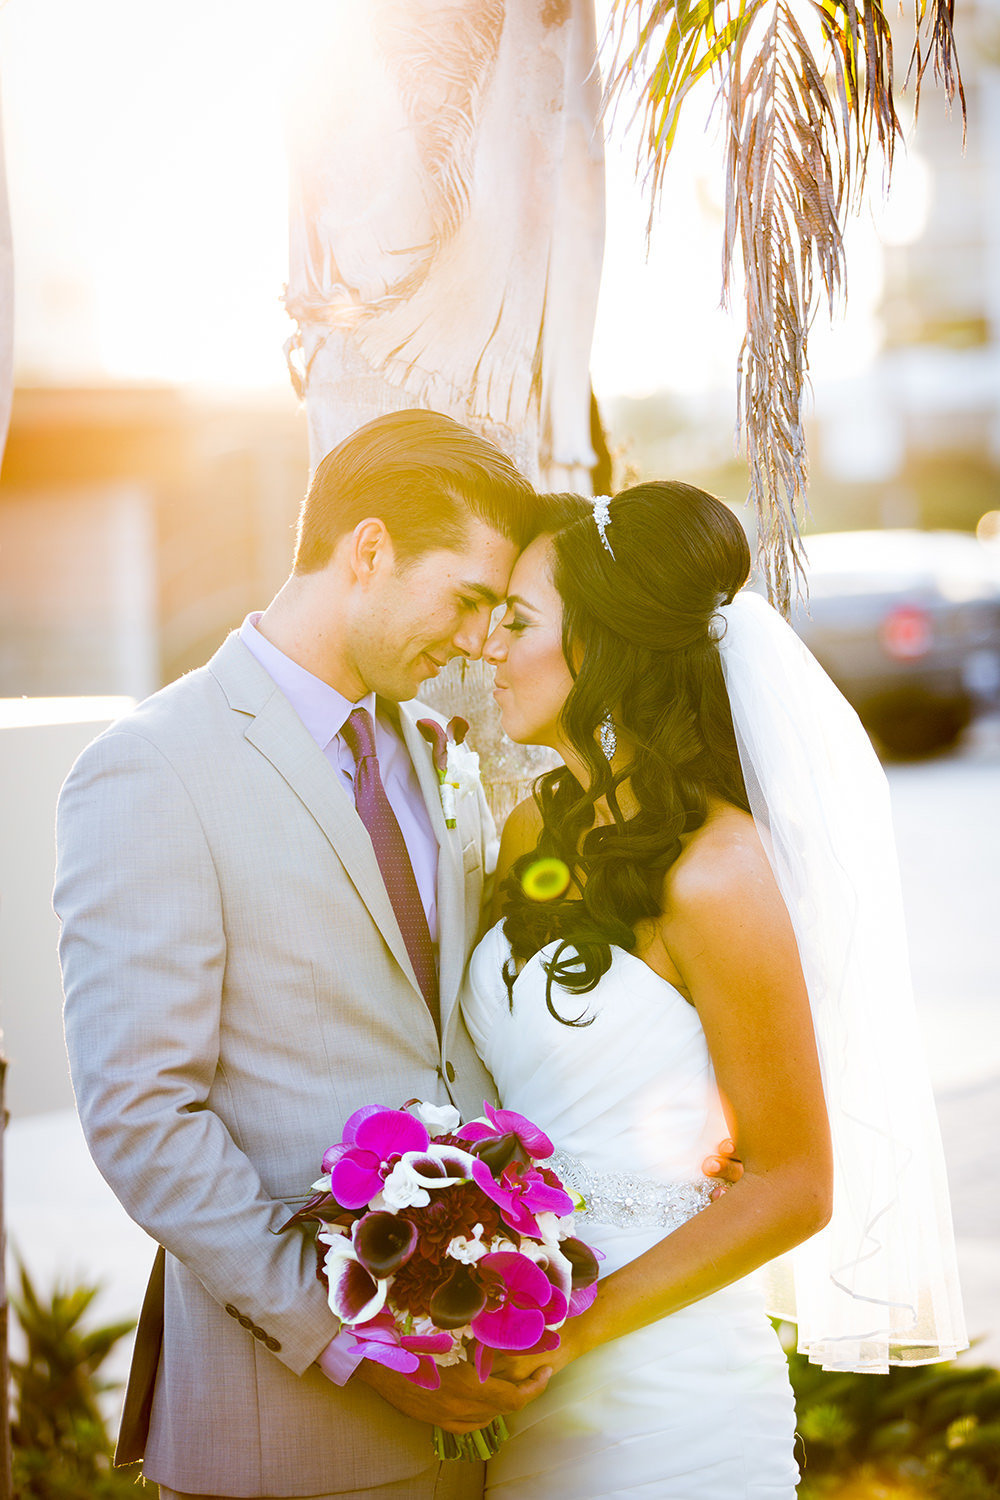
x=456, y=764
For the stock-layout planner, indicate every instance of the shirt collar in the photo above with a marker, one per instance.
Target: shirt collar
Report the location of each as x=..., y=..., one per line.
x=323, y=710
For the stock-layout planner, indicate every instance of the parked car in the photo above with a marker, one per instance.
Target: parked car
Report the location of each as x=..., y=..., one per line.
x=907, y=623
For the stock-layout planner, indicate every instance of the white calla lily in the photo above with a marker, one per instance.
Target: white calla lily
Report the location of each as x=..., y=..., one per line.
x=403, y=1188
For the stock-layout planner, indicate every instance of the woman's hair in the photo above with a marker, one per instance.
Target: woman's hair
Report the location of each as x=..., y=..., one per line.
x=636, y=636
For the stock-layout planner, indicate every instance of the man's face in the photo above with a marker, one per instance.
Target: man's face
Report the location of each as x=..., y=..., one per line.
x=430, y=609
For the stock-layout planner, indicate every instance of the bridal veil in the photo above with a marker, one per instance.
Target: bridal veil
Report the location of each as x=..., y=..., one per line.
x=879, y=1284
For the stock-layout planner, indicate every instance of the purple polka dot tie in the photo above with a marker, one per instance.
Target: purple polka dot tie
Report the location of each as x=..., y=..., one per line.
x=393, y=857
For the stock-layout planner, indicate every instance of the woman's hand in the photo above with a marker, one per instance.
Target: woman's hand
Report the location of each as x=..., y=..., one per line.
x=725, y=1167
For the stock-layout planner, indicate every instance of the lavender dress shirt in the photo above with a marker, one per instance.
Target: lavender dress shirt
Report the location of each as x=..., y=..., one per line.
x=324, y=712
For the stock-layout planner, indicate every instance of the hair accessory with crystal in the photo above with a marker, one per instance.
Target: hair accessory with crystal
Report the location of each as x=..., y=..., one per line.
x=602, y=516
x=608, y=737
x=879, y=1284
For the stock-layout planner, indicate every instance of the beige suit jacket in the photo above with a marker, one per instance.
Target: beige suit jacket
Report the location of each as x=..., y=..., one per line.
x=236, y=985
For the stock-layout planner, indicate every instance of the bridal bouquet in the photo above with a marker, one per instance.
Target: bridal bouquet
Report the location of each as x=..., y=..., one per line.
x=441, y=1242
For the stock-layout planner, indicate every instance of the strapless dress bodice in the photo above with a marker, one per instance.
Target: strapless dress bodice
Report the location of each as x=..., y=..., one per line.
x=630, y=1090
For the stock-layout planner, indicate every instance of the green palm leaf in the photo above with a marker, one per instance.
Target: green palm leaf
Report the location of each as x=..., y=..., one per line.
x=806, y=92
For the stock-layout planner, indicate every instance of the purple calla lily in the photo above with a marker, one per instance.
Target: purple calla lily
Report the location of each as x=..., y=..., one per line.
x=380, y=1139
x=496, y=1151
x=534, y=1142
x=458, y=1301
x=355, y=1295
x=583, y=1261
x=522, y=1300
x=437, y=737
x=384, y=1242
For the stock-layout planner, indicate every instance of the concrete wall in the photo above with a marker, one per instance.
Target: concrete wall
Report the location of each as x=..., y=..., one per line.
x=40, y=739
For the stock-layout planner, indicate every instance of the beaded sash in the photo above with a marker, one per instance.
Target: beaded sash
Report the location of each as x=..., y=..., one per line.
x=630, y=1202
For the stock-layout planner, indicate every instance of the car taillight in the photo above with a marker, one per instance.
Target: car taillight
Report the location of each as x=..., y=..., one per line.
x=907, y=632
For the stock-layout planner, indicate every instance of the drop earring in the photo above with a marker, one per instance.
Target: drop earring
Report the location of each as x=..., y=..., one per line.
x=609, y=740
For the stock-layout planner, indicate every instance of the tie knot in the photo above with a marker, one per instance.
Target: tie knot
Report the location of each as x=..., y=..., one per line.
x=359, y=732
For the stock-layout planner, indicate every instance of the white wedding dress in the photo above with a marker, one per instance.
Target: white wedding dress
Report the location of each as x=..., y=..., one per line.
x=697, y=1406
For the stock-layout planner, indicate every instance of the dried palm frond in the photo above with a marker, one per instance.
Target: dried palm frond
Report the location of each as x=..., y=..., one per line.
x=806, y=90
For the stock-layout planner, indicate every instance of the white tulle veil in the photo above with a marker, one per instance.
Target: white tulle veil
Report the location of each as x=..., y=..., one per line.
x=879, y=1284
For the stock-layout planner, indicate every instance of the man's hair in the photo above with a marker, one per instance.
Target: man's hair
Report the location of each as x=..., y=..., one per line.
x=425, y=476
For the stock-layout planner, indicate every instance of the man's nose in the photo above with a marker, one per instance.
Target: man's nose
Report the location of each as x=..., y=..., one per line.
x=470, y=638
x=495, y=650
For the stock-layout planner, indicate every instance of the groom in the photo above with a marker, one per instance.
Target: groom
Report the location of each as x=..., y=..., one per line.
x=264, y=925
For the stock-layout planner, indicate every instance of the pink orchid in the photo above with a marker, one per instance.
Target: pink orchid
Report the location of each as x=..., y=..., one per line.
x=409, y=1353
x=485, y=1354
x=374, y=1141
x=571, y=1266
x=520, y=1193
x=521, y=1302
x=507, y=1122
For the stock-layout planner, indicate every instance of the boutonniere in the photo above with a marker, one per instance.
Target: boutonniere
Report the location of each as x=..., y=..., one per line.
x=456, y=765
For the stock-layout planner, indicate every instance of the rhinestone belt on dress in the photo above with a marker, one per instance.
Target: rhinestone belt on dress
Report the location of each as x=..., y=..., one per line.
x=630, y=1202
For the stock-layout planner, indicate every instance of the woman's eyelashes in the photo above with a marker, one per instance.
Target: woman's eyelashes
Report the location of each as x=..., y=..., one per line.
x=514, y=624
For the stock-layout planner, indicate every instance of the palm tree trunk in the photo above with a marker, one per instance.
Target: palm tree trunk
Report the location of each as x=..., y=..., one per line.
x=446, y=241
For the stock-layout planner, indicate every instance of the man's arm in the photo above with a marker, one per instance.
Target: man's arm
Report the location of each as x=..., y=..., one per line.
x=143, y=951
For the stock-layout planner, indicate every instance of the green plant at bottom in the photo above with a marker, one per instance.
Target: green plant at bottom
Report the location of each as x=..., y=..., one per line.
x=922, y=1432
x=61, y=1446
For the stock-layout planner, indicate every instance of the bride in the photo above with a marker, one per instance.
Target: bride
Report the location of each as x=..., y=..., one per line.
x=722, y=955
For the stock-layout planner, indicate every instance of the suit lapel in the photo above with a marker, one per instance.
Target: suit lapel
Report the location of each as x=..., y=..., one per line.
x=450, y=880
x=277, y=732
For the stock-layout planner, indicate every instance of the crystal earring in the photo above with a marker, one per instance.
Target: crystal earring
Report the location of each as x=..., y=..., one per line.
x=609, y=740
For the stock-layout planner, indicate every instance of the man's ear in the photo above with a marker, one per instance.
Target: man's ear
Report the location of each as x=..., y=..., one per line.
x=371, y=553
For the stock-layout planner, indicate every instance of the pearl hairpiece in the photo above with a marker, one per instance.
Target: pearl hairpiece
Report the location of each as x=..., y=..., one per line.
x=602, y=516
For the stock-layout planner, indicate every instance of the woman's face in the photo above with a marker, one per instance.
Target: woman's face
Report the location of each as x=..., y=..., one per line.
x=532, y=678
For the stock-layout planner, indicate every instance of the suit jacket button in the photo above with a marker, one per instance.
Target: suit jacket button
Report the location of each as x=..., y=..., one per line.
x=244, y=1321
x=258, y=1333
x=271, y=1343
x=449, y=1068
x=233, y=1312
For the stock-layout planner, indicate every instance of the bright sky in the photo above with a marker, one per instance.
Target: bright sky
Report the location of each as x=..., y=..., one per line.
x=148, y=186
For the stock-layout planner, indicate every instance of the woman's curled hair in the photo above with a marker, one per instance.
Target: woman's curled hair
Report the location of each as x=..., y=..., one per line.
x=638, y=638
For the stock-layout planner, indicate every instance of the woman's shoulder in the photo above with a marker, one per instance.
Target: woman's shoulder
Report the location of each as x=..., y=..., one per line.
x=520, y=833
x=723, y=861
x=520, y=836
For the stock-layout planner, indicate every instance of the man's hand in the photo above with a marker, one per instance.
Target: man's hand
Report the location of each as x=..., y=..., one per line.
x=461, y=1403
x=726, y=1167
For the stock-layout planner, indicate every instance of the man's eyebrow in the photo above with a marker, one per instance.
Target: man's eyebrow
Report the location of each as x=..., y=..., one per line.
x=480, y=589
